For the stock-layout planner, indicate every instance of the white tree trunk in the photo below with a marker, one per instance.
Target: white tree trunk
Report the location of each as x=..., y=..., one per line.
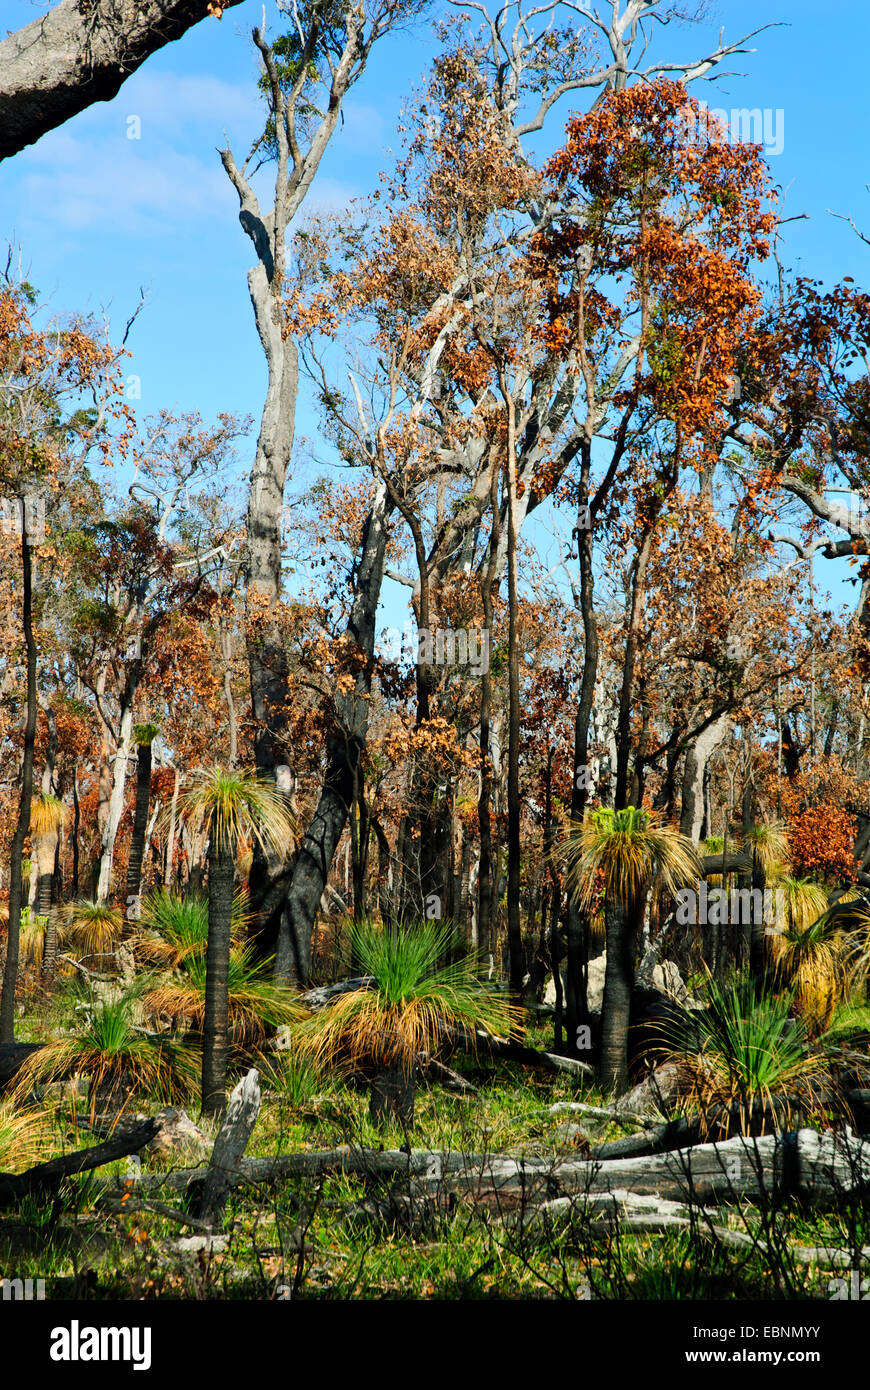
x=697, y=758
x=116, y=804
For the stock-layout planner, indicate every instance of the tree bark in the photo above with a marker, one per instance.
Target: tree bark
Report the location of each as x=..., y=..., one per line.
x=10, y=969
x=516, y=957
x=626, y=692
x=140, y=820
x=576, y=965
x=231, y=1142
x=485, y=878
x=392, y=1095
x=119, y=783
x=215, y=1032
x=618, y=984
x=344, y=750
x=78, y=54
x=697, y=758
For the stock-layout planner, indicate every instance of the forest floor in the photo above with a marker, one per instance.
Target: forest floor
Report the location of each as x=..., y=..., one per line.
x=344, y=1236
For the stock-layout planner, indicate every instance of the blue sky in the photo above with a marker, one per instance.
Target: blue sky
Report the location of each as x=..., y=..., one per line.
x=98, y=215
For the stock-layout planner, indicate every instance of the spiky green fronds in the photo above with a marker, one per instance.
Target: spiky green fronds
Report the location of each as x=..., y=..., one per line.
x=114, y=1054
x=232, y=804
x=769, y=843
x=623, y=851
x=294, y=1075
x=419, y=996
x=145, y=734
x=743, y=1052
x=91, y=928
x=256, y=1002
x=173, y=927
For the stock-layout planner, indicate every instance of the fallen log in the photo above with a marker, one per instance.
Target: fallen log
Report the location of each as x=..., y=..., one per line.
x=598, y=1112
x=734, y=863
x=718, y=1123
x=658, y=1139
x=45, y=1177
x=481, y=1041
x=817, y=1168
x=325, y=994
x=651, y=1216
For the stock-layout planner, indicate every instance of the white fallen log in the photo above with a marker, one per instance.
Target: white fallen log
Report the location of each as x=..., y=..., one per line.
x=806, y=1164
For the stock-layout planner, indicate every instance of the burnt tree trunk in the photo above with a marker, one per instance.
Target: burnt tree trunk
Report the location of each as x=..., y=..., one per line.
x=215, y=1030
x=344, y=751
x=140, y=820
x=621, y=929
x=392, y=1095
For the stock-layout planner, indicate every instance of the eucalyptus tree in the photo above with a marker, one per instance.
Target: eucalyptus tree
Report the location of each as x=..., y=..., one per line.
x=135, y=569
x=57, y=383
x=518, y=67
x=306, y=75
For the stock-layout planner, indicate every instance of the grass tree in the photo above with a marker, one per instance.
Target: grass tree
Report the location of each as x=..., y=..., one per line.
x=144, y=734
x=622, y=852
x=809, y=961
x=418, y=996
x=46, y=823
x=255, y=1002
x=744, y=1062
x=92, y=929
x=25, y=1136
x=46, y=820
x=173, y=927
x=118, y=1057
x=228, y=804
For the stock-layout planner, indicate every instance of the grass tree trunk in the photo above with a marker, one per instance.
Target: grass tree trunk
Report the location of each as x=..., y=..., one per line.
x=10, y=970
x=44, y=853
x=215, y=1033
x=49, y=946
x=392, y=1096
x=621, y=928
